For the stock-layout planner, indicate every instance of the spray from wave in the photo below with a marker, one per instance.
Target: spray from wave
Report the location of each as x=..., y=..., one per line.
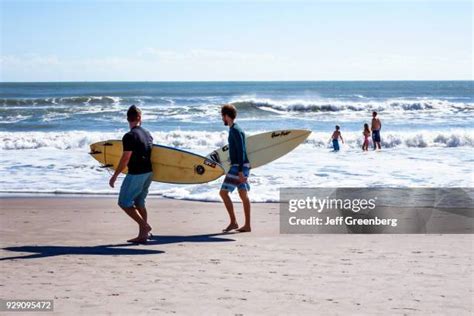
x=338, y=105
x=202, y=141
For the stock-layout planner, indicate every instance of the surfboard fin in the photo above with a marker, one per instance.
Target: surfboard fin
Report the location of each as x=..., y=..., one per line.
x=106, y=166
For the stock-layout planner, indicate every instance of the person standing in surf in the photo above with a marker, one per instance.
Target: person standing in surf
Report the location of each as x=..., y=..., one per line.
x=366, y=133
x=239, y=170
x=335, y=138
x=137, y=146
x=376, y=126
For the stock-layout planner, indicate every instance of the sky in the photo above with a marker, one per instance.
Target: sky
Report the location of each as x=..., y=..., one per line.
x=235, y=40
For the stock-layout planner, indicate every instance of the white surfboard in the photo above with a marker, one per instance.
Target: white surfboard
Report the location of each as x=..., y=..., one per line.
x=263, y=148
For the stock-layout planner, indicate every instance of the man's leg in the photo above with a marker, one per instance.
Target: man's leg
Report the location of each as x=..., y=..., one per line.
x=133, y=213
x=377, y=140
x=142, y=211
x=246, y=202
x=130, y=189
x=230, y=209
x=143, y=226
x=140, y=201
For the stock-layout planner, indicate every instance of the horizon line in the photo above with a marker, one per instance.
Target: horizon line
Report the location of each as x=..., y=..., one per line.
x=228, y=81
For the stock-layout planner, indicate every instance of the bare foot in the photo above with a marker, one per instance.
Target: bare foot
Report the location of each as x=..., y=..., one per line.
x=146, y=231
x=231, y=226
x=138, y=240
x=244, y=229
x=143, y=235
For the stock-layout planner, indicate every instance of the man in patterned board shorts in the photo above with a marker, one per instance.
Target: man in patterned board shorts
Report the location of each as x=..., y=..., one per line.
x=137, y=146
x=239, y=171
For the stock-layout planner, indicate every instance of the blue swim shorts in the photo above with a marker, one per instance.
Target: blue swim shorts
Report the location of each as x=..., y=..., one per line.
x=376, y=135
x=231, y=180
x=134, y=189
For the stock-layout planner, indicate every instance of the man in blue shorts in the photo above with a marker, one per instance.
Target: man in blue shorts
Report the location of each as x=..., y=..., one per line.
x=239, y=171
x=376, y=126
x=137, y=145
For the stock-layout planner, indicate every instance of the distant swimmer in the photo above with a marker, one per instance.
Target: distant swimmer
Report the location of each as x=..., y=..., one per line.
x=335, y=138
x=376, y=127
x=366, y=133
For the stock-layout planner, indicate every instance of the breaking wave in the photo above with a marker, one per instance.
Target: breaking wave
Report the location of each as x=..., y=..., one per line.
x=74, y=100
x=203, y=141
x=338, y=105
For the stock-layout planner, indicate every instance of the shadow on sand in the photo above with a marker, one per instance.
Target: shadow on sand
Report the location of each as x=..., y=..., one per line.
x=164, y=239
x=109, y=250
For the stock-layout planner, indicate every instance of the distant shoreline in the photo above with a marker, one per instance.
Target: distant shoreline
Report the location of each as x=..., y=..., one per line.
x=111, y=196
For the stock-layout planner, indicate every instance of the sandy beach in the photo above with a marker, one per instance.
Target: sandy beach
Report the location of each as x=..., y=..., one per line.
x=73, y=250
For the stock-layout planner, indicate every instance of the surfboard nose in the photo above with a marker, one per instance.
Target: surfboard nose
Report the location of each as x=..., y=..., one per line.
x=307, y=132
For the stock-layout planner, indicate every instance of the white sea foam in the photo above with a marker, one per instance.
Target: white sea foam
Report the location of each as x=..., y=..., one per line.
x=419, y=139
x=201, y=140
x=50, y=170
x=13, y=119
x=61, y=165
x=338, y=105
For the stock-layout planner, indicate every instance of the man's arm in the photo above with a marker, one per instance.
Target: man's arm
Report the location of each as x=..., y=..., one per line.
x=240, y=153
x=240, y=149
x=121, y=166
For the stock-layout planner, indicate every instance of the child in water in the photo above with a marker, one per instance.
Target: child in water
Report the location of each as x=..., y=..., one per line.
x=366, y=133
x=335, y=138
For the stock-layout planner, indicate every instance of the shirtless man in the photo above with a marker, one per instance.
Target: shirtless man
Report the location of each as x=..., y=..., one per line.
x=376, y=126
x=335, y=138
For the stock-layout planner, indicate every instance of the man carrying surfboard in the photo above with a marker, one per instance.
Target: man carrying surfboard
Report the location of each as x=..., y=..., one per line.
x=137, y=146
x=239, y=170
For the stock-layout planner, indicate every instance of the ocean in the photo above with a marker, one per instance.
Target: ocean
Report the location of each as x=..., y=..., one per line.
x=427, y=132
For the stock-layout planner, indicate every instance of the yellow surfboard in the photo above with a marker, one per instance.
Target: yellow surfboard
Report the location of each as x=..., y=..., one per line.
x=170, y=165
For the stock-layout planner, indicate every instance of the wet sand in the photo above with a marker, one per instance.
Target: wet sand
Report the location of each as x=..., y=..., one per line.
x=73, y=250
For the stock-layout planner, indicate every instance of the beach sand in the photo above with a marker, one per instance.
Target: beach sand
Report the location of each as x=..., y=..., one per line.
x=73, y=250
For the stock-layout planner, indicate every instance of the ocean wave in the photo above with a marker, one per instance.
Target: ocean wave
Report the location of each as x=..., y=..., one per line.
x=13, y=119
x=73, y=100
x=417, y=139
x=105, y=100
x=203, y=142
x=104, y=107
x=82, y=139
x=337, y=105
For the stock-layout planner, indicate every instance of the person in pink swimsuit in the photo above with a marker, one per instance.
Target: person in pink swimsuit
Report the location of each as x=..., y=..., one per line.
x=366, y=133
